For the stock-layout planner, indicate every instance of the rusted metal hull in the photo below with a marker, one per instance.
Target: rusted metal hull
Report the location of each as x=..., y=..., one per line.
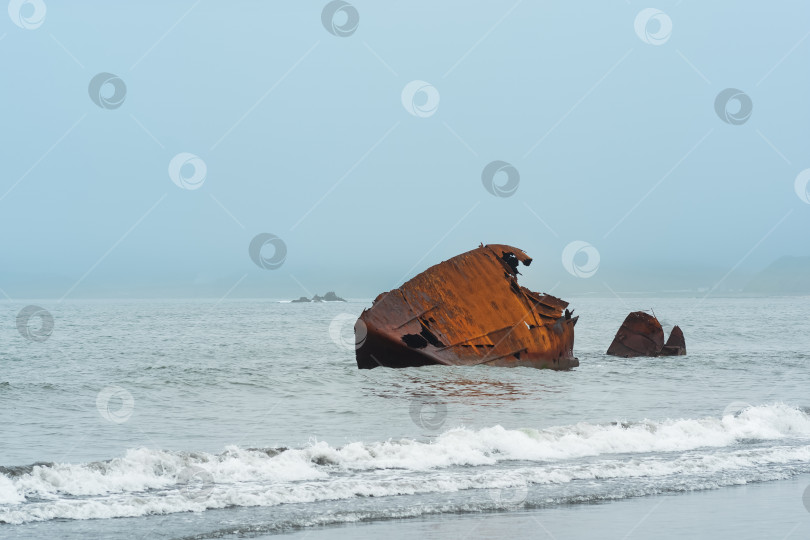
x=676, y=344
x=641, y=334
x=468, y=310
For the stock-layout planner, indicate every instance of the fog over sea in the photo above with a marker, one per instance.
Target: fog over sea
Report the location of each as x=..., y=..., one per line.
x=176, y=173
x=192, y=419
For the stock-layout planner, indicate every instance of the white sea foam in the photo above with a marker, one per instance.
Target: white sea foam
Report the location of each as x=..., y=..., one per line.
x=490, y=445
x=146, y=481
x=8, y=492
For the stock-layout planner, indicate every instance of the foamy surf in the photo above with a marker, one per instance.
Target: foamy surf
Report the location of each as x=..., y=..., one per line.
x=759, y=443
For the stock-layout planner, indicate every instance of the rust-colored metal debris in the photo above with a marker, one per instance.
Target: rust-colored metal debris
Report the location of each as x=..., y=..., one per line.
x=676, y=344
x=468, y=310
x=642, y=335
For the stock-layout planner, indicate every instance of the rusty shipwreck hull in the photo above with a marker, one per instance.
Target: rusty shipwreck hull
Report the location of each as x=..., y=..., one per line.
x=468, y=310
x=641, y=334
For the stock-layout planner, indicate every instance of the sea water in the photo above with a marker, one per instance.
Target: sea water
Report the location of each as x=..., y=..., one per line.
x=205, y=419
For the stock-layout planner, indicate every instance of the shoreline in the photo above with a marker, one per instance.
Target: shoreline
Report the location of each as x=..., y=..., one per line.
x=772, y=509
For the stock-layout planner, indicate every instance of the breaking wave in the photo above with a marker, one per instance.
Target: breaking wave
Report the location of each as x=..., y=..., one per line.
x=759, y=443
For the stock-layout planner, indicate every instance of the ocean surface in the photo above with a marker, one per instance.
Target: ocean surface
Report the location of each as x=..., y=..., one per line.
x=248, y=418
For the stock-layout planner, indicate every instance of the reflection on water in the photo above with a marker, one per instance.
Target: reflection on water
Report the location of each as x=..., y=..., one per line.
x=468, y=385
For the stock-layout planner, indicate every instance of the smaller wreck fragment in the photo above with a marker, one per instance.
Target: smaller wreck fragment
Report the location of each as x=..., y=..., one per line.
x=468, y=310
x=676, y=344
x=641, y=334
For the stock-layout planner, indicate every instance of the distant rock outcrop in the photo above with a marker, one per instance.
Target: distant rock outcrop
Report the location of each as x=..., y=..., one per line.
x=785, y=276
x=328, y=297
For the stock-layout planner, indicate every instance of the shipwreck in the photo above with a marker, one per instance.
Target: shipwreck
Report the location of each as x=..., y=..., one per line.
x=641, y=334
x=468, y=310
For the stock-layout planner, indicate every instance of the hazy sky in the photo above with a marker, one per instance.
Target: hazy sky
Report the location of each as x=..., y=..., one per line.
x=604, y=115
